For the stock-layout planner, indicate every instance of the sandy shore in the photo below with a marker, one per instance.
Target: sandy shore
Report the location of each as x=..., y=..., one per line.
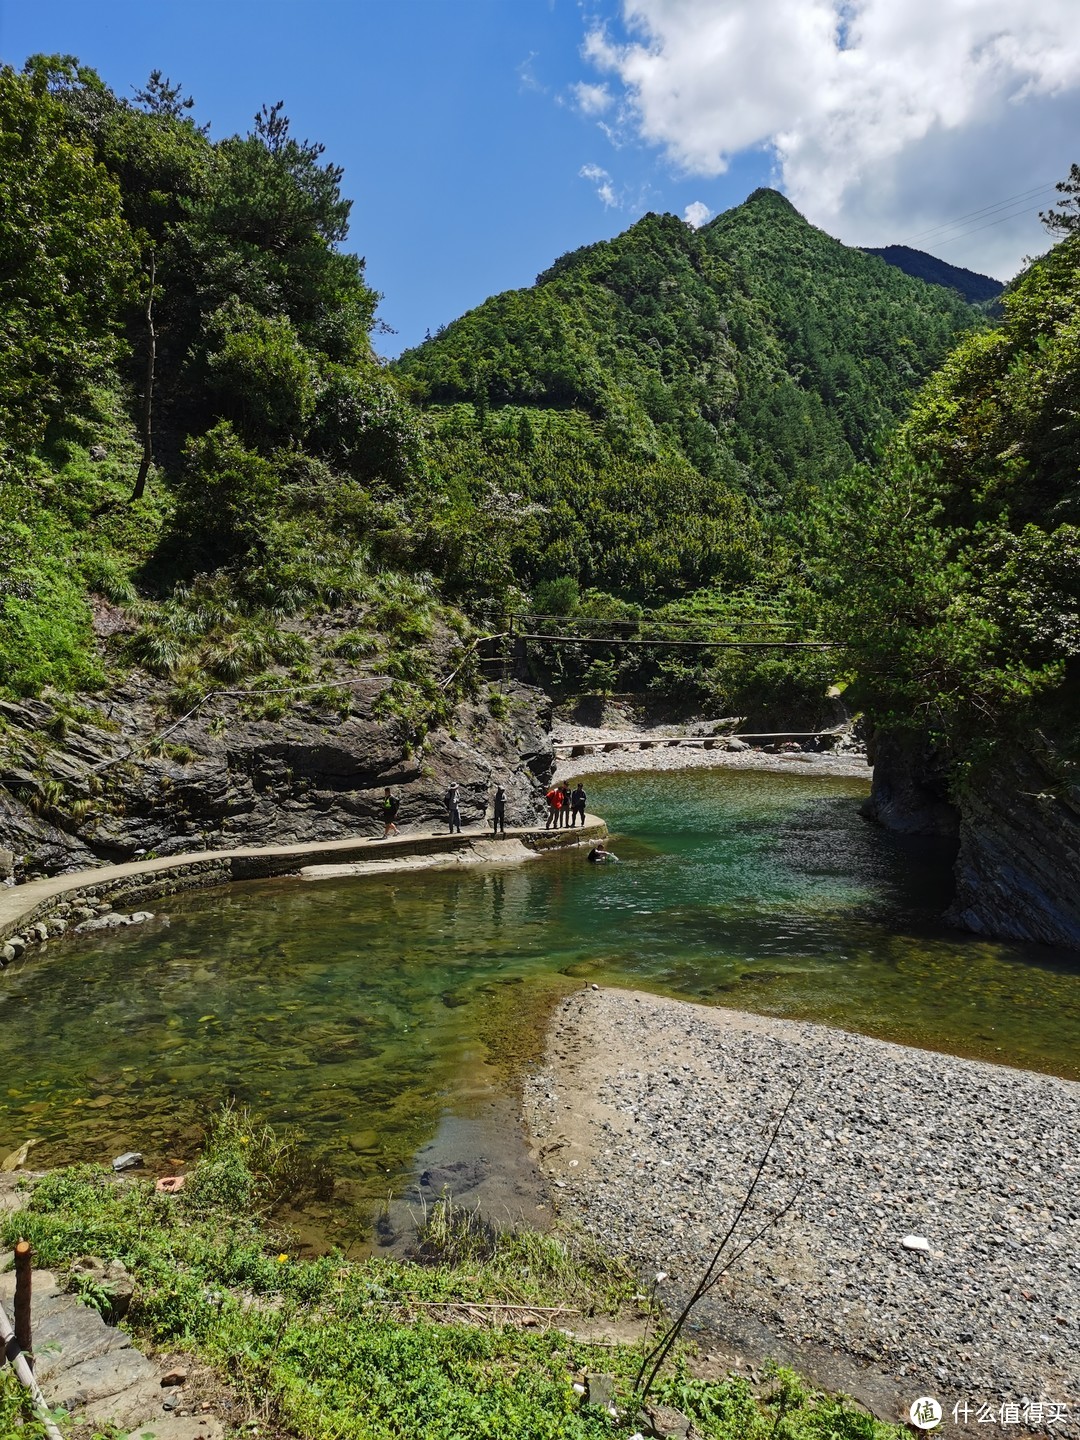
x=692, y=757
x=651, y=1114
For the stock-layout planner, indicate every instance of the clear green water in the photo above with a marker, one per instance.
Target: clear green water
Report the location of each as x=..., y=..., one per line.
x=366, y=1011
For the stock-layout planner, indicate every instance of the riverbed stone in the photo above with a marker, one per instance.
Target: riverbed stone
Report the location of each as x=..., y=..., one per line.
x=664, y=1422
x=667, y=1108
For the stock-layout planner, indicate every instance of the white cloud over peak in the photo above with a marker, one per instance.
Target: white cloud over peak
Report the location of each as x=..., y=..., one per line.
x=602, y=180
x=696, y=213
x=884, y=116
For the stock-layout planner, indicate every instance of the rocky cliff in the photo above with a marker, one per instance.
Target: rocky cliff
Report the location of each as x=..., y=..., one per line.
x=107, y=787
x=1018, y=869
x=1018, y=825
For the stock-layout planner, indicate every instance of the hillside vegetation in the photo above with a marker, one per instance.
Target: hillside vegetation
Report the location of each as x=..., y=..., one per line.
x=975, y=288
x=195, y=429
x=956, y=561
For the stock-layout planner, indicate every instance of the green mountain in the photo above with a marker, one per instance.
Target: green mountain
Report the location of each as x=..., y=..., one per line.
x=758, y=349
x=975, y=288
x=195, y=429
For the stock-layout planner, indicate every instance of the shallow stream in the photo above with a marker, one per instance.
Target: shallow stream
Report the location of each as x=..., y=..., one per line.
x=387, y=1016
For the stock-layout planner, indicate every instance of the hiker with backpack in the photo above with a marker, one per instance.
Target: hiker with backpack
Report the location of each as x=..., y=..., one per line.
x=390, y=806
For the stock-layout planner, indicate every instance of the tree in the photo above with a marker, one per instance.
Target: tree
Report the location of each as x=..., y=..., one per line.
x=161, y=97
x=1067, y=219
x=68, y=262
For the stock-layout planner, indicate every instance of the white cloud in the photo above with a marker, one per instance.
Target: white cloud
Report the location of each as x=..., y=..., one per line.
x=884, y=116
x=602, y=180
x=592, y=99
x=696, y=213
x=526, y=76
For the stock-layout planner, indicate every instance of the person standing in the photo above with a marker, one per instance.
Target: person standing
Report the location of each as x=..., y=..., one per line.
x=565, y=811
x=453, y=808
x=390, y=807
x=554, y=800
x=577, y=805
x=498, y=816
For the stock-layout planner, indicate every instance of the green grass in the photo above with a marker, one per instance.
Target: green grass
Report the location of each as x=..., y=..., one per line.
x=335, y=1350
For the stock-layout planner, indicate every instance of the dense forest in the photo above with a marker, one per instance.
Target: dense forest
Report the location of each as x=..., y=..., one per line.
x=200, y=445
x=955, y=561
x=975, y=288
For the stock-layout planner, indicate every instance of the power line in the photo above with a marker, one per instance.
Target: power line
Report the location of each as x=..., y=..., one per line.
x=974, y=214
x=952, y=240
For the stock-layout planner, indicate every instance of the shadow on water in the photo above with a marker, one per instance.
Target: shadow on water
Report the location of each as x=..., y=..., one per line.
x=386, y=1016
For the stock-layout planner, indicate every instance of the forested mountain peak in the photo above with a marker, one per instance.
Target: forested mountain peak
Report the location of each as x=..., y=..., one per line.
x=757, y=348
x=764, y=196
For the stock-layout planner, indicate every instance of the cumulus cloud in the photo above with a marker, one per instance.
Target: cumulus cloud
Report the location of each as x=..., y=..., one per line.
x=603, y=182
x=883, y=116
x=592, y=99
x=696, y=213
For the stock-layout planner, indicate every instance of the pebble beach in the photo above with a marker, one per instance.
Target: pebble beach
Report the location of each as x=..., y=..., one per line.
x=664, y=754
x=933, y=1247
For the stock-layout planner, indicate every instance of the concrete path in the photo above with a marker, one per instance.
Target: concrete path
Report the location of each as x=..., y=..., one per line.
x=22, y=904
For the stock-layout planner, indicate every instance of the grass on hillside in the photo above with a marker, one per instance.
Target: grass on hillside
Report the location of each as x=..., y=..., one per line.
x=328, y=1349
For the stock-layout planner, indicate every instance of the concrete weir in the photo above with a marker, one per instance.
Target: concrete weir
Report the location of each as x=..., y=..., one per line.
x=28, y=912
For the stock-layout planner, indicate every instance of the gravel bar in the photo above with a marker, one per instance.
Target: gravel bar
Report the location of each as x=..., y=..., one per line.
x=846, y=763
x=650, y=1116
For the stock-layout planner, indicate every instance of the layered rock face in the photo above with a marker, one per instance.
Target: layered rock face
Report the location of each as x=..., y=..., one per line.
x=1018, y=869
x=77, y=794
x=1018, y=864
x=910, y=787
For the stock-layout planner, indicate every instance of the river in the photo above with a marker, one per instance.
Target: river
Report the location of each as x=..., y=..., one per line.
x=385, y=1016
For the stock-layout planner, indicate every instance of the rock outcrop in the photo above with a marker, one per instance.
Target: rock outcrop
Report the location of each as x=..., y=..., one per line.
x=75, y=794
x=910, y=788
x=1017, y=869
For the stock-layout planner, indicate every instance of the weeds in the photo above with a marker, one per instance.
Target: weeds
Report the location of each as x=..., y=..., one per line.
x=347, y=1351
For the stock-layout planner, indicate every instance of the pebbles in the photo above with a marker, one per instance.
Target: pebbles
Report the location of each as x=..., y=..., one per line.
x=668, y=1107
x=693, y=757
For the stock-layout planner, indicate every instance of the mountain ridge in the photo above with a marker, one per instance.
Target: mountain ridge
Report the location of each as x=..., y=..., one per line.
x=976, y=288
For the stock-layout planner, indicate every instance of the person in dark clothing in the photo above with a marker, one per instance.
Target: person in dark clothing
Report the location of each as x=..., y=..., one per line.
x=390, y=807
x=598, y=854
x=453, y=809
x=498, y=814
x=577, y=805
x=565, y=811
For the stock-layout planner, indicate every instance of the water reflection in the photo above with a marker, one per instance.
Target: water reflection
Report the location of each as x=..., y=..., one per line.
x=366, y=1010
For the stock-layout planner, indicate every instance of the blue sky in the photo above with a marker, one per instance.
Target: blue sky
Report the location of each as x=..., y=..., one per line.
x=483, y=138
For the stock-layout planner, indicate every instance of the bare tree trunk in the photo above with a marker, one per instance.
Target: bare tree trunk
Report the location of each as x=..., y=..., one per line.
x=148, y=390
